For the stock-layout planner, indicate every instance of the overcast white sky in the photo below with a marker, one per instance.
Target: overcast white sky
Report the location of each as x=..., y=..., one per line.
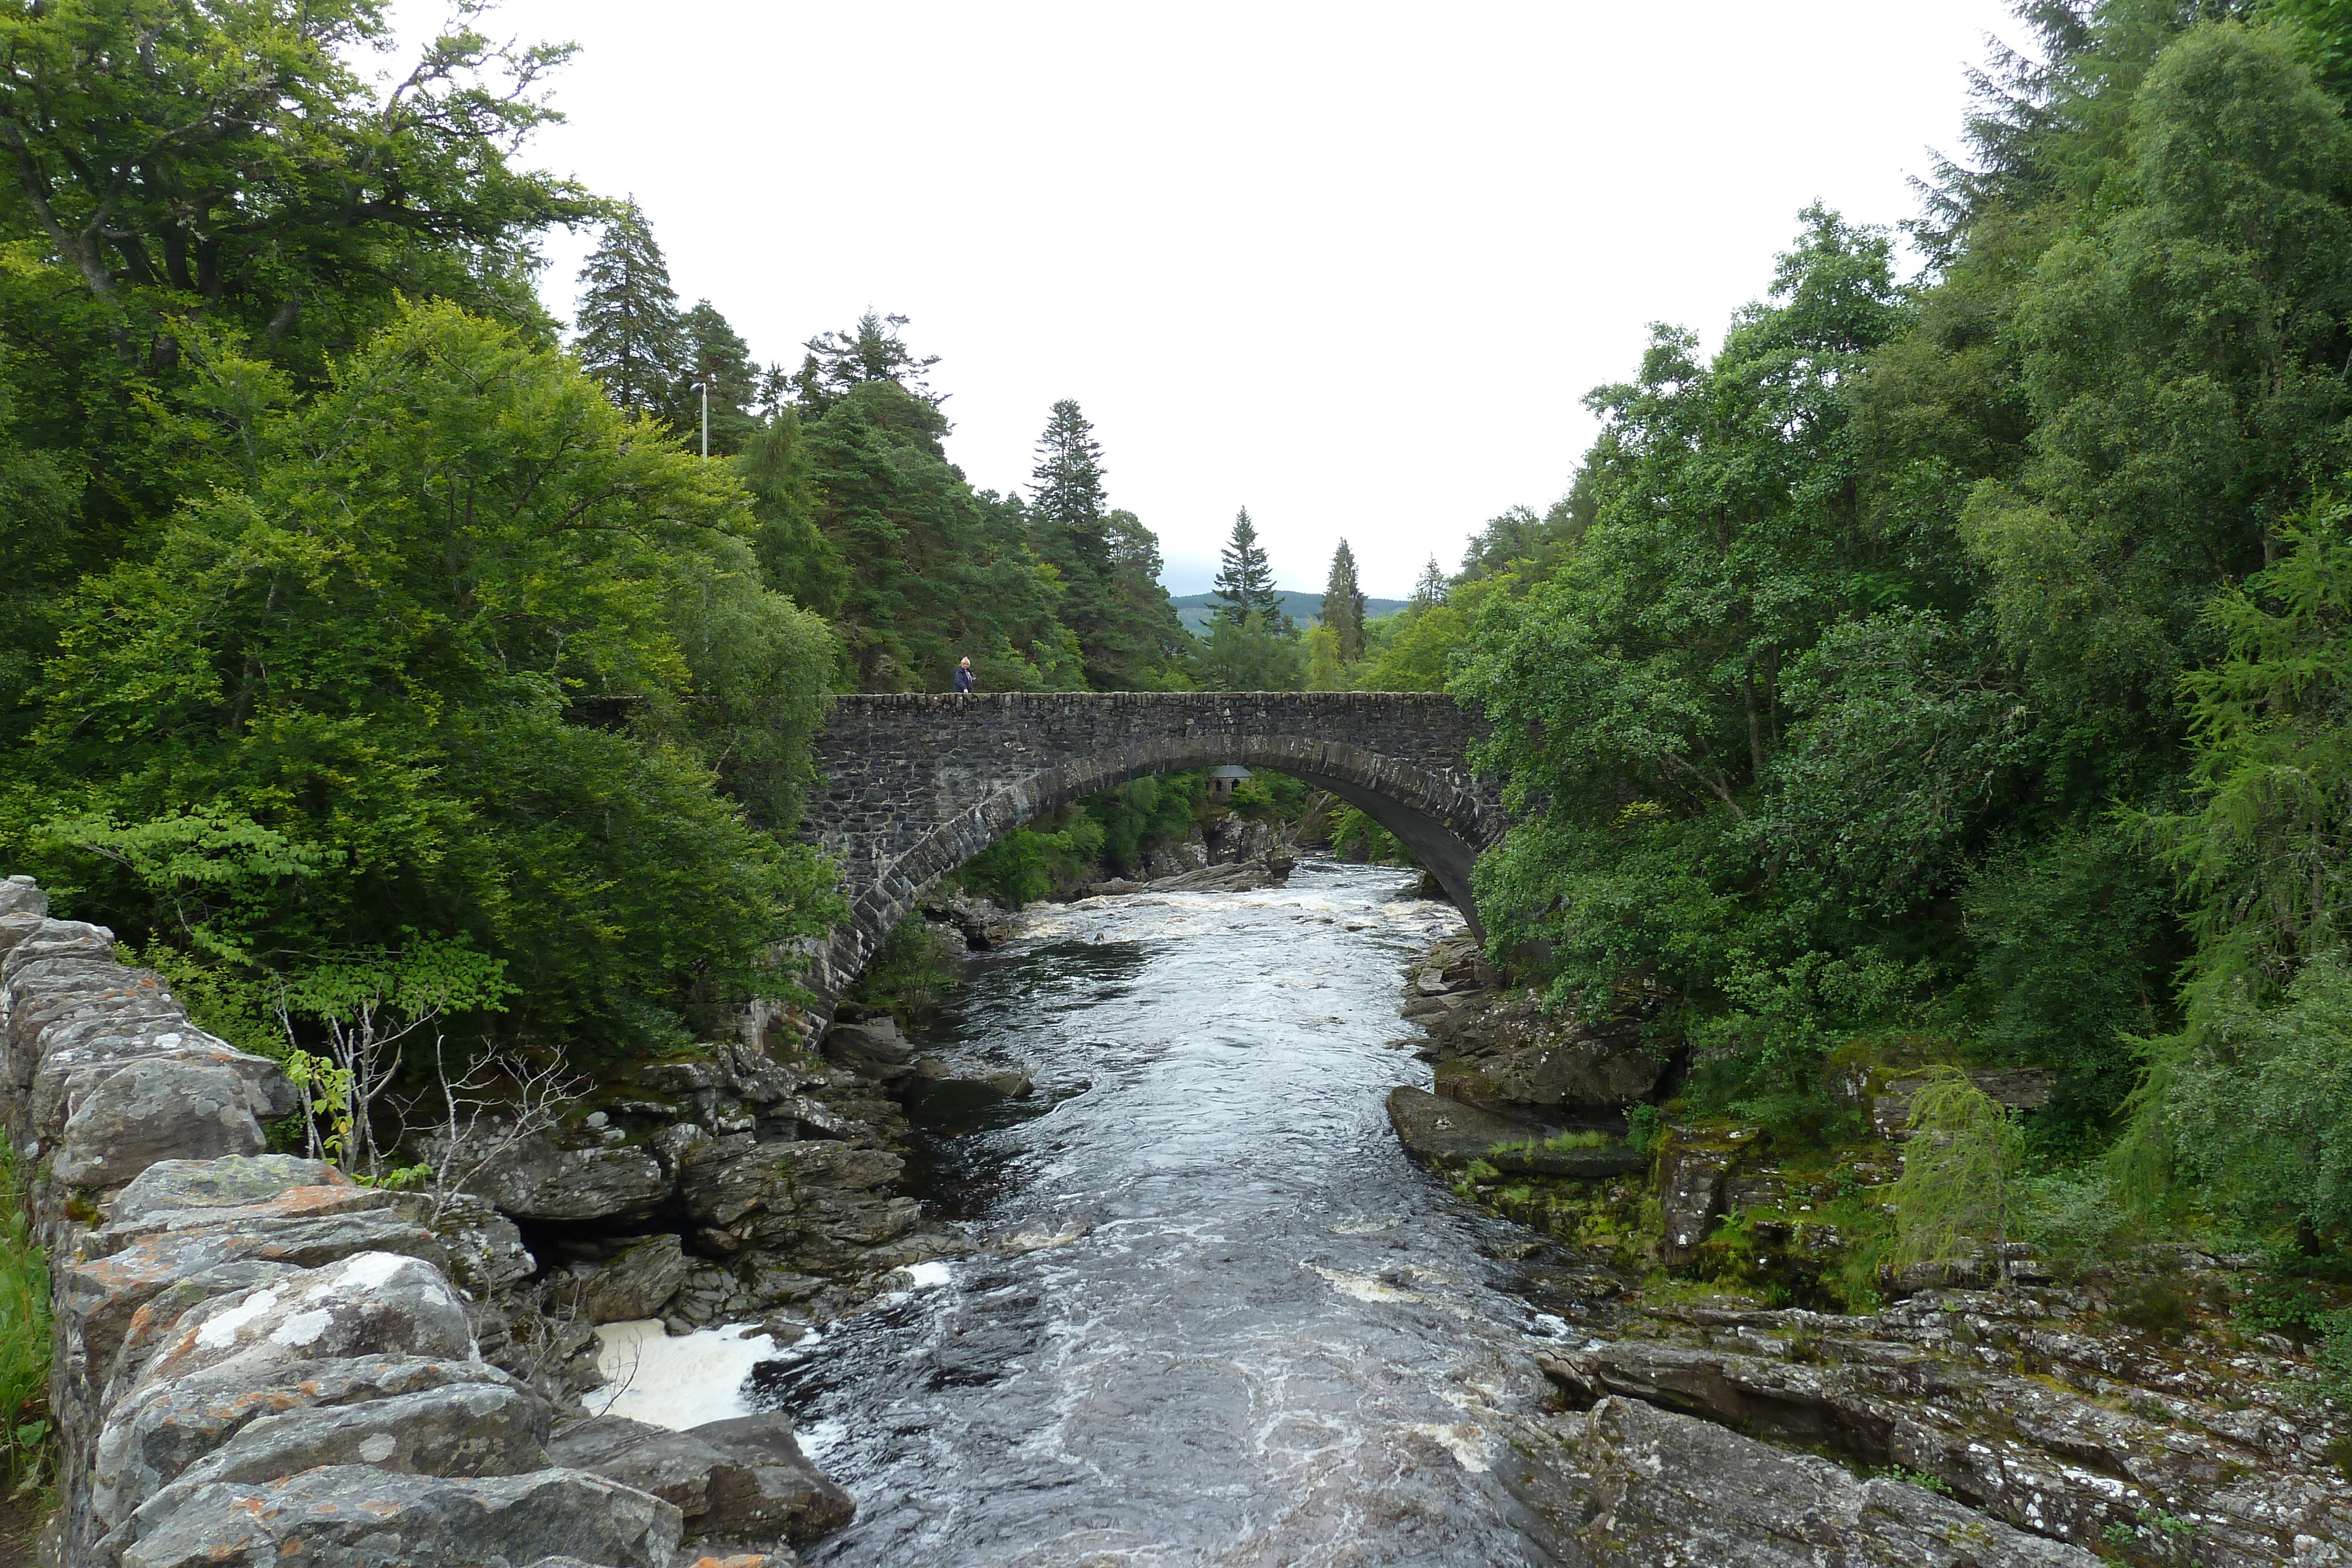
x=1352, y=265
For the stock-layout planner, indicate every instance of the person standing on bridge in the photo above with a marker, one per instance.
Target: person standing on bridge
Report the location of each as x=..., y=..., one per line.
x=963, y=678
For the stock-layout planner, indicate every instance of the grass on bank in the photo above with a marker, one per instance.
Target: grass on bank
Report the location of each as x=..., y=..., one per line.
x=25, y=1425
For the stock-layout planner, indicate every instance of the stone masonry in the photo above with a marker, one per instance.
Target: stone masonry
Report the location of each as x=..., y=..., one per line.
x=912, y=786
x=257, y=1359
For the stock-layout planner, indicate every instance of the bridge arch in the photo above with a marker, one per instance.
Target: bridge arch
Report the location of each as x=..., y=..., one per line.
x=910, y=788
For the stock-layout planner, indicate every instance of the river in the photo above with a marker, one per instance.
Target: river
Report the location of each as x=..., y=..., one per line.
x=1218, y=1318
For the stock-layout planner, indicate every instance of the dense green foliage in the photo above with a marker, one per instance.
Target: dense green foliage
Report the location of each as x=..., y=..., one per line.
x=1968, y=655
x=427, y=670
x=348, y=621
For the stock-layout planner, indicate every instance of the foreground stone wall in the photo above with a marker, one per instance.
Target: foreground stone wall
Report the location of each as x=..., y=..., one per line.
x=256, y=1360
x=912, y=786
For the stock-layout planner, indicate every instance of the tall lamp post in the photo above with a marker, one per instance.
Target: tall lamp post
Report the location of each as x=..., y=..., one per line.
x=704, y=387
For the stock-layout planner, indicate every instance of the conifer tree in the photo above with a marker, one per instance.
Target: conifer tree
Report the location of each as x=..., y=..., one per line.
x=628, y=332
x=1067, y=505
x=870, y=351
x=1245, y=581
x=1343, y=606
x=1431, y=586
x=713, y=353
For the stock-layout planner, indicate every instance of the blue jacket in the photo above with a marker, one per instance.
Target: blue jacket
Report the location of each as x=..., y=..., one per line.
x=963, y=679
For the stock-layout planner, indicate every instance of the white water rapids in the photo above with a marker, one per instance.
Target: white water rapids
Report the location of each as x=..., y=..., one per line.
x=1219, y=1318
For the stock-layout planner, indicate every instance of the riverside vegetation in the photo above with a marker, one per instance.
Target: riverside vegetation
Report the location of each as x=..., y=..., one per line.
x=1944, y=681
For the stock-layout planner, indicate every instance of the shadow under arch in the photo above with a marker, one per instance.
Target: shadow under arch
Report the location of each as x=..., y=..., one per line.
x=1443, y=825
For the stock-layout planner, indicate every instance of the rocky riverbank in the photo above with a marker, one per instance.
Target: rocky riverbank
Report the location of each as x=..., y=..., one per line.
x=1718, y=1410
x=253, y=1349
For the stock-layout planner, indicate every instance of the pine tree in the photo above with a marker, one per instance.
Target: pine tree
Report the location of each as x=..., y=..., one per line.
x=1067, y=507
x=1245, y=581
x=1343, y=605
x=1432, y=588
x=713, y=353
x=870, y=351
x=629, y=335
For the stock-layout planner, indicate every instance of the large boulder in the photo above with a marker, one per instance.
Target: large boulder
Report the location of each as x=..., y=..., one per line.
x=489, y=1428
x=873, y=1049
x=1563, y=1070
x=145, y=1279
x=538, y=1178
x=173, y=1186
x=152, y=1438
x=1449, y=1134
x=486, y=1252
x=633, y=1283
x=767, y=1487
x=372, y=1303
x=357, y=1516
x=1629, y=1486
x=744, y=1478
x=157, y=1110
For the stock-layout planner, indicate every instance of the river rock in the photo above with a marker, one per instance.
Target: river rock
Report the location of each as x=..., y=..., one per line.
x=149, y=1111
x=1564, y=1068
x=634, y=1283
x=538, y=1178
x=767, y=1486
x=1238, y=876
x=357, y=1516
x=1926, y=1385
x=743, y=1479
x=1629, y=1486
x=874, y=1048
x=1449, y=1134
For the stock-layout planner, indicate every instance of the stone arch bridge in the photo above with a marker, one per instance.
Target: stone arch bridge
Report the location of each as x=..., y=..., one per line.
x=910, y=786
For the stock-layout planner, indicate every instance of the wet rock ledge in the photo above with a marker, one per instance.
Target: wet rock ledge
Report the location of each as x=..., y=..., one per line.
x=2121, y=1417
x=259, y=1361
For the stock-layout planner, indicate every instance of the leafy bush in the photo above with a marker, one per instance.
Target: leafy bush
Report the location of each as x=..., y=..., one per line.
x=2076, y=1219
x=908, y=972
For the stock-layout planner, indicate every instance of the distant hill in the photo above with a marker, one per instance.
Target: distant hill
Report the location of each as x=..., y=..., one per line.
x=1193, y=609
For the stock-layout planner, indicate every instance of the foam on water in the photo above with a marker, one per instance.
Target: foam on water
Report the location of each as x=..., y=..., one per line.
x=675, y=1381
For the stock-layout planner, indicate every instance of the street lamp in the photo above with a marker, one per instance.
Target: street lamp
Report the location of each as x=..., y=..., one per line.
x=704, y=387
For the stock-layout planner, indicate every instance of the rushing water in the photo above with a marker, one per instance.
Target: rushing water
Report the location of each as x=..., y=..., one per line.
x=1218, y=1317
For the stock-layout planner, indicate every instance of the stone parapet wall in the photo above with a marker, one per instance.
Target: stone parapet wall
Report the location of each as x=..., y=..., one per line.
x=257, y=1359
